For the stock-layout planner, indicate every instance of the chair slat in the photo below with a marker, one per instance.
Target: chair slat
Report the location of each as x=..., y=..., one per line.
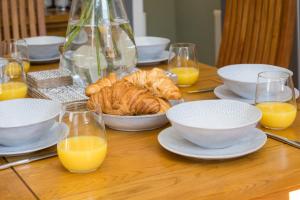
x=41, y=17
x=269, y=32
x=225, y=38
x=275, y=32
x=5, y=19
x=243, y=22
x=32, y=18
x=23, y=18
x=287, y=33
x=262, y=32
x=231, y=31
x=248, y=44
x=256, y=31
x=236, y=33
x=14, y=18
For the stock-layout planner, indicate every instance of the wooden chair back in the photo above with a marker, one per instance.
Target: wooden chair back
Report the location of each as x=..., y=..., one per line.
x=258, y=31
x=21, y=18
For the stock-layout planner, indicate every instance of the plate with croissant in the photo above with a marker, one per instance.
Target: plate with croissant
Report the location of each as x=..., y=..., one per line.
x=136, y=102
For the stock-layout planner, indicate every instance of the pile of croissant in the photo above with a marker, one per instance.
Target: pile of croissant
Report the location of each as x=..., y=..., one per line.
x=140, y=93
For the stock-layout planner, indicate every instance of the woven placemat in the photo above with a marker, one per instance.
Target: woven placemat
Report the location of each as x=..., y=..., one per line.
x=64, y=94
x=49, y=78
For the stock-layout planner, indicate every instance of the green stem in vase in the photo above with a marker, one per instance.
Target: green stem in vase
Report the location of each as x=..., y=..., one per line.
x=75, y=29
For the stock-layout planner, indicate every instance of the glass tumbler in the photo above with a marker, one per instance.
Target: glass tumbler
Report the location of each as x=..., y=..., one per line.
x=12, y=79
x=275, y=97
x=17, y=49
x=182, y=62
x=84, y=148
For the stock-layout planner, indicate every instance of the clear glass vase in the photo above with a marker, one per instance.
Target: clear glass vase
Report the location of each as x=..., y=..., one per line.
x=99, y=40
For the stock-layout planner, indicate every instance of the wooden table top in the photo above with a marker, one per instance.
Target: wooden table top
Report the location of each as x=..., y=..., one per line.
x=137, y=167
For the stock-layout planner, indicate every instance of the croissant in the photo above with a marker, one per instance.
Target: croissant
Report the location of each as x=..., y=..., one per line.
x=123, y=98
x=101, y=83
x=155, y=81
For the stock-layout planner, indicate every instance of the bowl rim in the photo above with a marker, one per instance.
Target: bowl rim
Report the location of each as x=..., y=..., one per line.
x=172, y=120
x=33, y=123
x=220, y=71
x=44, y=37
x=164, y=41
x=134, y=116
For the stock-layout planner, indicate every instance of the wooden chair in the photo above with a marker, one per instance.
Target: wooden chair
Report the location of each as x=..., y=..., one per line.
x=258, y=31
x=21, y=18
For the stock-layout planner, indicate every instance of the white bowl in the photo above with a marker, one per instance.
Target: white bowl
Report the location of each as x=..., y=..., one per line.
x=43, y=47
x=23, y=121
x=241, y=78
x=214, y=123
x=150, y=47
x=137, y=123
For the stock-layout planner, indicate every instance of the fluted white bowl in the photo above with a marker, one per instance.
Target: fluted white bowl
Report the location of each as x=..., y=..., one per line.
x=26, y=120
x=150, y=47
x=44, y=47
x=214, y=123
x=241, y=78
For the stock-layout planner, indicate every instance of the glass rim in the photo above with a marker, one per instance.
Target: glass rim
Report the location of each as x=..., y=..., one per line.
x=183, y=45
x=85, y=109
x=270, y=75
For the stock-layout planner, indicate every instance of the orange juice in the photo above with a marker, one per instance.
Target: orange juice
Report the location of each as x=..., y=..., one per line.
x=186, y=75
x=277, y=115
x=26, y=66
x=12, y=90
x=82, y=153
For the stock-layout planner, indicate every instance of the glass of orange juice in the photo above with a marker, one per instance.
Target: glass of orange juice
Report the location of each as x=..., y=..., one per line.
x=275, y=97
x=12, y=79
x=17, y=49
x=84, y=149
x=182, y=62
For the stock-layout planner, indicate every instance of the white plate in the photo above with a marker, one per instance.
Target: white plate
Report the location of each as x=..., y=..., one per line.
x=57, y=132
x=44, y=61
x=137, y=123
x=223, y=92
x=164, y=56
x=173, y=142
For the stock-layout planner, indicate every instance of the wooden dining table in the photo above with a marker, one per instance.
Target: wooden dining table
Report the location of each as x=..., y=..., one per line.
x=137, y=167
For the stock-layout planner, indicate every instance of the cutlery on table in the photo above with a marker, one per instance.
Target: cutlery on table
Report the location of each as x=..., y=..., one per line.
x=28, y=160
x=201, y=90
x=284, y=140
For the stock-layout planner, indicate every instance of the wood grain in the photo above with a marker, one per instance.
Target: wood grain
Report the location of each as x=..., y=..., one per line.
x=258, y=31
x=137, y=167
x=21, y=16
x=11, y=187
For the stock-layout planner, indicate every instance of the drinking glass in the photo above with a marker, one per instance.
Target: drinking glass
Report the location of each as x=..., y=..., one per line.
x=275, y=97
x=182, y=62
x=84, y=148
x=17, y=49
x=12, y=79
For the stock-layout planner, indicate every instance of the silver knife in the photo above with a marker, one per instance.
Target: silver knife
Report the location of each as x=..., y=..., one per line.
x=201, y=90
x=284, y=140
x=28, y=160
